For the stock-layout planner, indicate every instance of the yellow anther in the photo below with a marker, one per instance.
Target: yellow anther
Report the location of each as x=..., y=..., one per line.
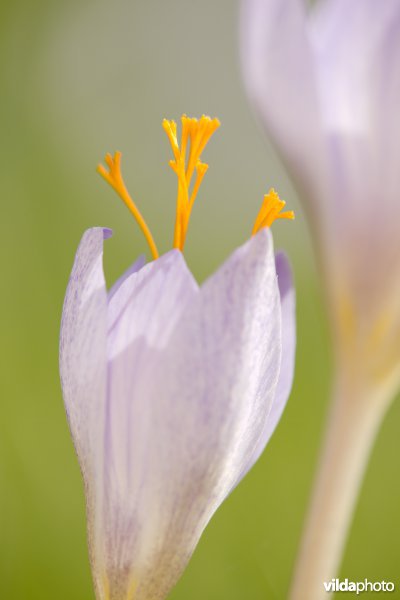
x=114, y=177
x=270, y=211
x=195, y=133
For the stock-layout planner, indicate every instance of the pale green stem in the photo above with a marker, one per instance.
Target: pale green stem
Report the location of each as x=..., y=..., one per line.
x=354, y=421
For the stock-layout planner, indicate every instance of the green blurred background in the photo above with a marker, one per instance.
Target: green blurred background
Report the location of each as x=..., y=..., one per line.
x=79, y=79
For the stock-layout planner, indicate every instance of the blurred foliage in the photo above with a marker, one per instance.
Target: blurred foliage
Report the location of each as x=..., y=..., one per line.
x=79, y=79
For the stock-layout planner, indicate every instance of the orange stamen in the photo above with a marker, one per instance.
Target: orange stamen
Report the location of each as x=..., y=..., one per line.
x=196, y=133
x=270, y=211
x=114, y=177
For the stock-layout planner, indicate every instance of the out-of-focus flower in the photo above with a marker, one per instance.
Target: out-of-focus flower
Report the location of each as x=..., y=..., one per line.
x=172, y=391
x=326, y=83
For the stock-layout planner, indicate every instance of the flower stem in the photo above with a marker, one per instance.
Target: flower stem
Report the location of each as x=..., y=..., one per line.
x=355, y=418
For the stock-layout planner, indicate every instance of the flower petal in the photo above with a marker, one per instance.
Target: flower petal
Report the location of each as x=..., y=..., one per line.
x=353, y=67
x=83, y=362
x=357, y=51
x=288, y=308
x=287, y=295
x=199, y=411
x=136, y=266
x=142, y=315
x=148, y=304
x=278, y=72
x=122, y=290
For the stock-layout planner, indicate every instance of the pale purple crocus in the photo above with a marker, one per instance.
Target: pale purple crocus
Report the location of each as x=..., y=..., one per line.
x=325, y=82
x=172, y=391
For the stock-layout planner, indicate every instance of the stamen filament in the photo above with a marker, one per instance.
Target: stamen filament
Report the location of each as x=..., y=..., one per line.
x=114, y=178
x=201, y=170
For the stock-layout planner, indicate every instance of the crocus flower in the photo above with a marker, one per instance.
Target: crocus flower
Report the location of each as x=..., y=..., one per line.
x=325, y=82
x=171, y=390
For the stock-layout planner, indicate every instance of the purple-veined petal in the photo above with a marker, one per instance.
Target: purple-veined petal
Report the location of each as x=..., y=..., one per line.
x=122, y=290
x=149, y=303
x=288, y=301
x=83, y=358
x=288, y=308
x=136, y=266
x=147, y=307
x=201, y=400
